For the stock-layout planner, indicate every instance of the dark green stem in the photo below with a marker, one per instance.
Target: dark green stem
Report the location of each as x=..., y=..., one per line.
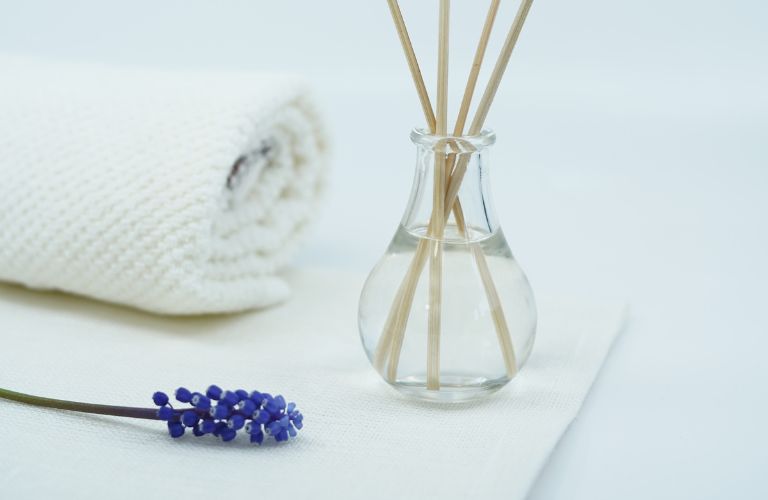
x=60, y=404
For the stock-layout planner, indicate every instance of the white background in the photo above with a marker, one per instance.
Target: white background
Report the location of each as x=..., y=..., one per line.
x=631, y=163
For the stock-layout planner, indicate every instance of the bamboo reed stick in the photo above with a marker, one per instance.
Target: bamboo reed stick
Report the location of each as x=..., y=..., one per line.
x=438, y=202
x=441, y=121
x=477, y=62
x=497, y=312
x=399, y=313
x=413, y=65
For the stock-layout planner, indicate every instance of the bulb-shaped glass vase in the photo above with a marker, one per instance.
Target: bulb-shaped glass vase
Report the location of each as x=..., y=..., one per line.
x=447, y=314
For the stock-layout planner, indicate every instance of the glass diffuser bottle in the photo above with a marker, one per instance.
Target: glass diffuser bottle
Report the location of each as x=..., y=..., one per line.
x=447, y=314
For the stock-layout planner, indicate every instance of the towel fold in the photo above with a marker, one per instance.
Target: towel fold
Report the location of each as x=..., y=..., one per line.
x=178, y=193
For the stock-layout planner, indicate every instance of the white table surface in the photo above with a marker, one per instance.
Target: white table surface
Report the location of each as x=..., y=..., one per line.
x=631, y=163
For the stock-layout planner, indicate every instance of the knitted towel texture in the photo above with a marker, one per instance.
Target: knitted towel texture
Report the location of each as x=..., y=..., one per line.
x=177, y=193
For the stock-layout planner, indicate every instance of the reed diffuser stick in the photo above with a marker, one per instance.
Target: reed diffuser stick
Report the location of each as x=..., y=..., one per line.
x=438, y=202
x=477, y=62
x=441, y=127
x=413, y=65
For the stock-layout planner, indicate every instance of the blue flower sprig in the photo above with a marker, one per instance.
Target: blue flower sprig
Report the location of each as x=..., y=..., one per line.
x=217, y=412
x=224, y=413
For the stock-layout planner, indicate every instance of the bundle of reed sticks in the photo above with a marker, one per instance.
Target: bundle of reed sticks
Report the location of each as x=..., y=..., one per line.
x=447, y=181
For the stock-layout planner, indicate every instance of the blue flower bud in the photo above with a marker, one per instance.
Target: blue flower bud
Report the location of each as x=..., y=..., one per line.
x=272, y=408
x=160, y=398
x=261, y=417
x=220, y=411
x=220, y=426
x=247, y=407
x=257, y=437
x=207, y=426
x=236, y=422
x=165, y=413
x=175, y=429
x=282, y=436
x=241, y=394
x=189, y=418
x=200, y=402
x=273, y=428
x=280, y=402
x=229, y=398
x=183, y=395
x=290, y=408
x=228, y=434
x=214, y=392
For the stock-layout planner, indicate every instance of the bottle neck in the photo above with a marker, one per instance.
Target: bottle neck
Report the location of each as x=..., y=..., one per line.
x=468, y=212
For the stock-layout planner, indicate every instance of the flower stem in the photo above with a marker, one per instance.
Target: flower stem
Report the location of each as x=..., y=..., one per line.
x=60, y=404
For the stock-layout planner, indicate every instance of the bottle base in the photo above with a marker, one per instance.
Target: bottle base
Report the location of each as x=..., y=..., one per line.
x=454, y=388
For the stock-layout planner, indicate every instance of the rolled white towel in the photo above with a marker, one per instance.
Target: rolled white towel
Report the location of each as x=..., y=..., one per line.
x=179, y=193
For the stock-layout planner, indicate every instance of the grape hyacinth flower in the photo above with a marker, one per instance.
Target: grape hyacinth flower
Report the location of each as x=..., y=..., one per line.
x=216, y=412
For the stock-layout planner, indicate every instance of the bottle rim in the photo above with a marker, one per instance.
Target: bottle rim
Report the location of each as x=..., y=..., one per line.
x=423, y=137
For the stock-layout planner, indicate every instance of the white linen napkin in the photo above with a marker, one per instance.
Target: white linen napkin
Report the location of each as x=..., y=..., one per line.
x=177, y=193
x=361, y=439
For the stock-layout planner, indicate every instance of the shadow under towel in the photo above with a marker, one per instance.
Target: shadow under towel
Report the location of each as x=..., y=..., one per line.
x=178, y=193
